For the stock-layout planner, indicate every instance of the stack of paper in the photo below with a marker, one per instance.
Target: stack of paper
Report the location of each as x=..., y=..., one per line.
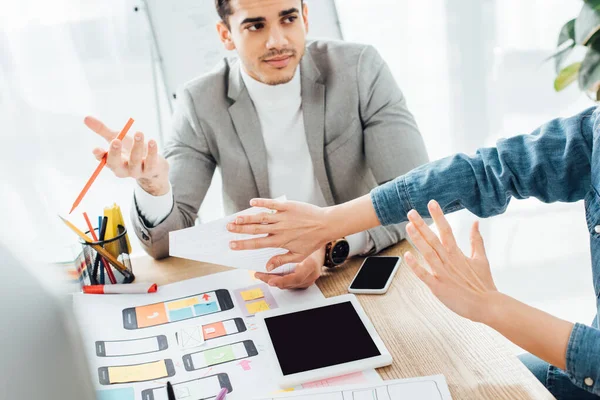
x=425, y=388
x=210, y=243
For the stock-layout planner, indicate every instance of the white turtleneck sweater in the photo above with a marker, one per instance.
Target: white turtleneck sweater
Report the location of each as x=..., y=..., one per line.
x=289, y=162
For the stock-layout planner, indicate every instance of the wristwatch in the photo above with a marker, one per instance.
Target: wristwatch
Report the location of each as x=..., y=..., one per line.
x=336, y=252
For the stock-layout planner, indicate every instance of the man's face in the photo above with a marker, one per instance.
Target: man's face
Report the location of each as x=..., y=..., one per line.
x=269, y=35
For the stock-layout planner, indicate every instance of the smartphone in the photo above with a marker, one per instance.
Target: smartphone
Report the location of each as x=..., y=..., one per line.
x=119, y=348
x=136, y=373
x=177, y=309
x=219, y=355
x=375, y=275
x=196, y=389
x=221, y=329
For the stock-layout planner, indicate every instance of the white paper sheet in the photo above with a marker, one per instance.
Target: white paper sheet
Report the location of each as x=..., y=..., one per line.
x=209, y=242
x=103, y=318
x=424, y=388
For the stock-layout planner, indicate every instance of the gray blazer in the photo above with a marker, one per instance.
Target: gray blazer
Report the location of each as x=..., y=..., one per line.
x=359, y=131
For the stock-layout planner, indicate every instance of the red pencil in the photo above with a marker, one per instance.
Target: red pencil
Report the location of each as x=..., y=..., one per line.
x=99, y=168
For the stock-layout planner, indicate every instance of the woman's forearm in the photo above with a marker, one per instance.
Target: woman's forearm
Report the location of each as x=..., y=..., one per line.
x=534, y=330
x=351, y=217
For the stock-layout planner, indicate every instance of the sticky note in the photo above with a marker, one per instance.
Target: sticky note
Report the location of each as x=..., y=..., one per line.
x=219, y=355
x=208, y=308
x=138, y=373
x=257, y=306
x=178, y=315
x=174, y=305
x=252, y=294
x=151, y=315
x=213, y=331
x=116, y=394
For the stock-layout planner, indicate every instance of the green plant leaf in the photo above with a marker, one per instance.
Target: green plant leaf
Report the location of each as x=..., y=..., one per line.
x=567, y=34
x=595, y=4
x=566, y=76
x=587, y=24
x=589, y=73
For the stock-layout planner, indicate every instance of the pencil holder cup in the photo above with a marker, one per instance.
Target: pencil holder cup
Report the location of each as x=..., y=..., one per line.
x=106, y=261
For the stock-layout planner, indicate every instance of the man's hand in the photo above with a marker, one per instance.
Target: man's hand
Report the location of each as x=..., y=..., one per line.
x=306, y=273
x=134, y=158
x=464, y=284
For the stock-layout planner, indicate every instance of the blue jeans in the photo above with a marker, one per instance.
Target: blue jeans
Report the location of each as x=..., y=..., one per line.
x=555, y=380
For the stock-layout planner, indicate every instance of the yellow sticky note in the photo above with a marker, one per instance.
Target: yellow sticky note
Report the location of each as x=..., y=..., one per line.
x=138, y=373
x=183, y=303
x=284, y=391
x=252, y=294
x=258, y=306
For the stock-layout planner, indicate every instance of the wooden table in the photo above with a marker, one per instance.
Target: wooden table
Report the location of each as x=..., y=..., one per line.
x=424, y=337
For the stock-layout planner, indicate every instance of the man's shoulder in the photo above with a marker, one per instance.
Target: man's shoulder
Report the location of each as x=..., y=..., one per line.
x=337, y=50
x=215, y=82
x=336, y=56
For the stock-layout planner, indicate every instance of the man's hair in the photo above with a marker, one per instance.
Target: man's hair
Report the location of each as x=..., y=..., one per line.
x=224, y=9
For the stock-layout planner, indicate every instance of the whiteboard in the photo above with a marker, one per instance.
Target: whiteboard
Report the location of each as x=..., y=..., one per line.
x=187, y=42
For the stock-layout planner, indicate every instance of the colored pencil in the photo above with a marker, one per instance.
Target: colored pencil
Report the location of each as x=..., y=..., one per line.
x=97, y=261
x=96, y=247
x=99, y=168
x=101, y=266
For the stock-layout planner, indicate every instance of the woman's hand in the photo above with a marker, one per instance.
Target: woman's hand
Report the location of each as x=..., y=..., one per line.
x=464, y=284
x=298, y=227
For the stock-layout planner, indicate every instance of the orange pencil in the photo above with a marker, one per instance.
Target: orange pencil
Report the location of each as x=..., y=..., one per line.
x=99, y=168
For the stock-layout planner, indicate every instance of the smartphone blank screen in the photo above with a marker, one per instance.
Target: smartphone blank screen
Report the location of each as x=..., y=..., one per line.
x=203, y=388
x=131, y=347
x=374, y=273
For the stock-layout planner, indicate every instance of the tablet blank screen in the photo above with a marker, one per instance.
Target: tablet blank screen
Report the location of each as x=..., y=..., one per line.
x=320, y=337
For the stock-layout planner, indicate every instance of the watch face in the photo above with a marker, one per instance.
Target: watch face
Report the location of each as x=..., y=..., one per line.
x=340, y=252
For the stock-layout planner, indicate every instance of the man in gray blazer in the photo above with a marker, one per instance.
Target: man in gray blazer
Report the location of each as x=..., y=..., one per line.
x=322, y=122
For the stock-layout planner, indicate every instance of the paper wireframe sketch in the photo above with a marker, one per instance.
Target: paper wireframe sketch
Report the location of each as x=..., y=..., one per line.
x=424, y=388
x=190, y=337
x=209, y=242
x=235, y=353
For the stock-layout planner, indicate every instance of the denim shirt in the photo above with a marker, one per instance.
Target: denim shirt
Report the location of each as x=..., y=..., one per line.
x=559, y=161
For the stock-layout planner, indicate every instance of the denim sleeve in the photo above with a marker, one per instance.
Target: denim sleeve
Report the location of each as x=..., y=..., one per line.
x=553, y=163
x=583, y=353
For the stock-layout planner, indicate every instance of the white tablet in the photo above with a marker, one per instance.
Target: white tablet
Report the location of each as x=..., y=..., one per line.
x=322, y=340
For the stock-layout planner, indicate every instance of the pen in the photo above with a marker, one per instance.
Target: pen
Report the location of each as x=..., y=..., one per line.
x=131, y=288
x=170, y=393
x=106, y=265
x=222, y=394
x=101, y=266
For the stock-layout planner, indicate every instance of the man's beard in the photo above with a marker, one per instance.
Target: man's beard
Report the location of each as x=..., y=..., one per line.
x=282, y=79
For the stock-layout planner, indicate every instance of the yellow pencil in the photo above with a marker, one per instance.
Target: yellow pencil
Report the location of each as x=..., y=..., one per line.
x=103, y=252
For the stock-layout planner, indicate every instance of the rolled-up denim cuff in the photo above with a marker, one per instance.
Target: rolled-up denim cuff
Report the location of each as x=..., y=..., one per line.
x=391, y=202
x=583, y=355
